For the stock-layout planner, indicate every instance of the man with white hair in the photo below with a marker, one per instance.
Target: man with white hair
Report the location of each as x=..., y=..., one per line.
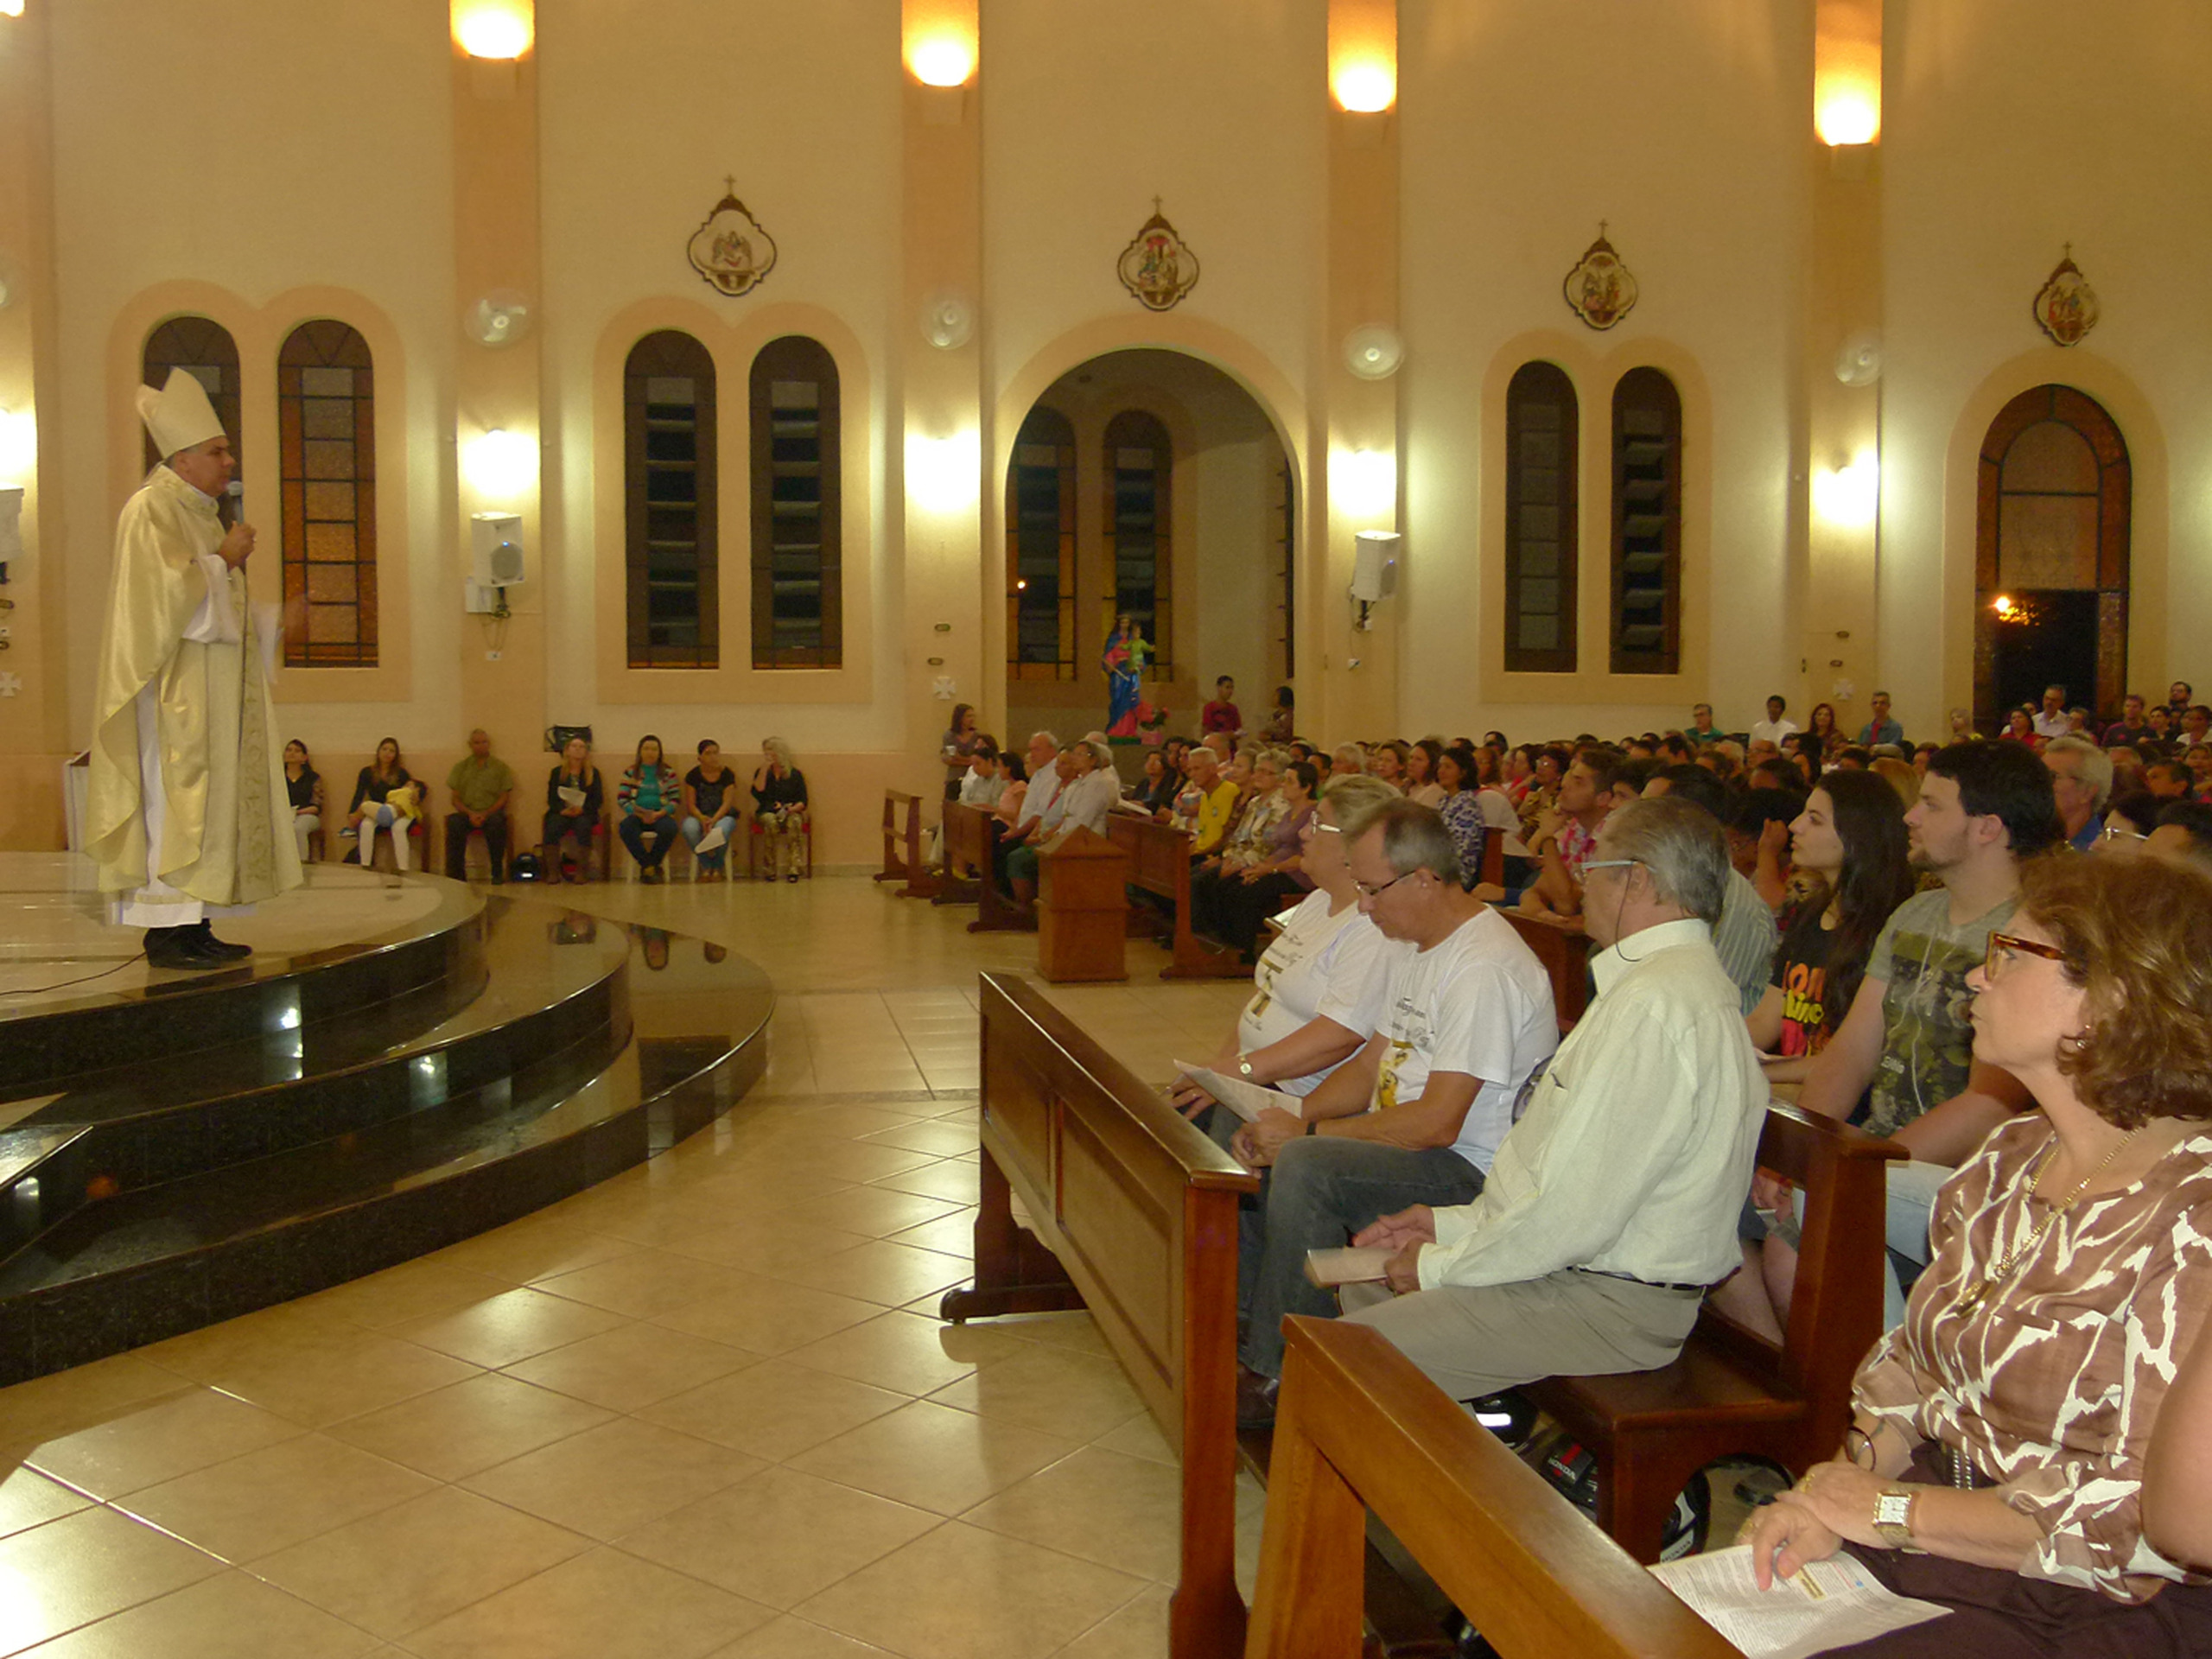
x=189, y=815
x=1088, y=789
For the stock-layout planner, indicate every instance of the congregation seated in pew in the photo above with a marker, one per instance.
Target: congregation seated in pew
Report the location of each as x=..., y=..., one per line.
x=1086, y=791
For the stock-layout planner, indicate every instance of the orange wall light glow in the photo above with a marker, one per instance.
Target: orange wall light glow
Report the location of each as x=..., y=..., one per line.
x=494, y=30
x=1847, y=70
x=1364, y=54
x=940, y=40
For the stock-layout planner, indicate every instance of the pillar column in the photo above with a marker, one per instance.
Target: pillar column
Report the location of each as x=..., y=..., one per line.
x=504, y=673
x=34, y=729
x=941, y=430
x=1354, y=439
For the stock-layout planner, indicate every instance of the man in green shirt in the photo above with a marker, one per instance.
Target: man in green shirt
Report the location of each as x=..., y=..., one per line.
x=482, y=785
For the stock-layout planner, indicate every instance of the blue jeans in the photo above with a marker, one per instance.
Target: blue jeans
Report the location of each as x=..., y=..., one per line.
x=695, y=832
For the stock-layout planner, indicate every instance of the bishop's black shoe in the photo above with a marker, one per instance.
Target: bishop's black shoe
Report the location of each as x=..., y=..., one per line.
x=176, y=947
x=214, y=949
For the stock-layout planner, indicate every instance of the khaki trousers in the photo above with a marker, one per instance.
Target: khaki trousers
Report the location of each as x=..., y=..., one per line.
x=1474, y=1342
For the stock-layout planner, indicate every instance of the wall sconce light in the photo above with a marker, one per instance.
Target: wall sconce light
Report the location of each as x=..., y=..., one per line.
x=1365, y=87
x=18, y=448
x=11, y=8
x=1849, y=497
x=943, y=60
x=941, y=56
x=942, y=474
x=1374, y=352
x=948, y=320
x=1365, y=482
x=1848, y=115
x=494, y=34
x=500, y=465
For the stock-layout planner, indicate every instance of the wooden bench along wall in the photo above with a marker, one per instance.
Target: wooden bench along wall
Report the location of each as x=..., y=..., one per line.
x=1139, y=1212
x=1358, y=1427
x=902, y=845
x=1160, y=861
x=1731, y=1393
x=972, y=843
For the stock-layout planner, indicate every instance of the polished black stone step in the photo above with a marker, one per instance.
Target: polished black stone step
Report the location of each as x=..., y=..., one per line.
x=45, y=1042
x=140, y=1266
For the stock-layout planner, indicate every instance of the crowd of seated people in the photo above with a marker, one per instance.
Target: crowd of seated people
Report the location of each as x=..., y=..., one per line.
x=1996, y=953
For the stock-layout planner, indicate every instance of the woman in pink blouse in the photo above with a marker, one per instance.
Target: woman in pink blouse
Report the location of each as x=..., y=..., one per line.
x=1995, y=1466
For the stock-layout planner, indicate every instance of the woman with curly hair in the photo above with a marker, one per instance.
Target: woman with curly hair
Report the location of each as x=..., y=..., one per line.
x=1996, y=1460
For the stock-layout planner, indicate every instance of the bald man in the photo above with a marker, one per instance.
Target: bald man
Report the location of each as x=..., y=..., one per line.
x=481, y=785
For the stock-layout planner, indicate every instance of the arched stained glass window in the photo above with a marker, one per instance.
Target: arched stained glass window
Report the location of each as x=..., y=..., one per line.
x=669, y=493
x=1139, y=538
x=1542, y=544
x=1647, y=594
x=798, y=576
x=326, y=417
x=1041, y=534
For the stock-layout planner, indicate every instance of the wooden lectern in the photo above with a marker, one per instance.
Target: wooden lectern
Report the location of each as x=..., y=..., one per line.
x=1083, y=906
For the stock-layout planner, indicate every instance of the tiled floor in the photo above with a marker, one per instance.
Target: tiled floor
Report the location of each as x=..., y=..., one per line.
x=702, y=1410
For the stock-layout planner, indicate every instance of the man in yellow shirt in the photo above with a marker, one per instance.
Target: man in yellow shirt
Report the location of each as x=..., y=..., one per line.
x=1217, y=804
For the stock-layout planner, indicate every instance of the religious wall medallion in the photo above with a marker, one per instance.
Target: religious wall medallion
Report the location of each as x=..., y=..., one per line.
x=1157, y=266
x=1599, y=289
x=2066, y=306
x=731, y=252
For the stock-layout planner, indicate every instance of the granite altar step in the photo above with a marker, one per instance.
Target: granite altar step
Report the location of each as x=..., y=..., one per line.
x=587, y=1046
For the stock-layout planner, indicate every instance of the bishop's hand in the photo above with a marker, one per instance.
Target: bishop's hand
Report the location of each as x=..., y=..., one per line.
x=237, y=546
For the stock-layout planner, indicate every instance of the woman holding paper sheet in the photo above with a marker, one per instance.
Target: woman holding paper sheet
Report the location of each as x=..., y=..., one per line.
x=575, y=797
x=1300, y=1024
x=1996, y=1464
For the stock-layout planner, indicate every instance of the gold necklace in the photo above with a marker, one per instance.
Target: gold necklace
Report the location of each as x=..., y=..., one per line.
x=1979, y=1292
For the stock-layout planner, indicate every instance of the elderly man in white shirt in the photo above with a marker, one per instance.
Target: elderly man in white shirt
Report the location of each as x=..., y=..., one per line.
x=1613, y=1204
x=1088, y=789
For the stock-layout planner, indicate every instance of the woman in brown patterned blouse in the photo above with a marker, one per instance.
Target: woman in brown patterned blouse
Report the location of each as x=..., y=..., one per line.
x=1996, y=1463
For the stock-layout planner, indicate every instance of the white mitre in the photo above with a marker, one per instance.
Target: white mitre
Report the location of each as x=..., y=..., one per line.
x=179, y=415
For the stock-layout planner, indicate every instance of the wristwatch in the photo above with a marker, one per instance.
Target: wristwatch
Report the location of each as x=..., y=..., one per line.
x=1244, y=1067
x=1893, y=1516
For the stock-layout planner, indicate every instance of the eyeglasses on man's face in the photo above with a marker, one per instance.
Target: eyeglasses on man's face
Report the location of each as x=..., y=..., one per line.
x=2002, y=948
x=1610, y=864
x=1367, y=890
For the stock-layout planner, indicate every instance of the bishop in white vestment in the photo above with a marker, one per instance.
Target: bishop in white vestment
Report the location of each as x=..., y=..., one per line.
x=189, y=818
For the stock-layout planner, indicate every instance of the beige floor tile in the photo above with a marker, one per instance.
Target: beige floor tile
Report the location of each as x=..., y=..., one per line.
x=316, y=1373
x=1076, y=1330
x=602, y=1605
x=922, y=1600
x=847, y=1160
x=787, y=1638
x=524, y=1251
x=30, y=1499
x=759, y=1243
x=457, y=1431
x=276, y=1497
x=159, y=1440
x=853, y=1121
x=85, y=1567
x=1141, y=1438
x=773, y=1410
x=511, y=1325
x=949, y=1234
x=952, y=1180
x=779, y=1537
x=47, y=1408
x=768, y=1316
x=1138, y=1630
x=934, y=1457
x=940, y=1140
x=408, y=1566
x=231, y=1615
x=904, y=1351
x=1051, y=1390
x=614, y=1478
x=880, y=1271
x=641, y=1284
x=876, y=1211
x=1119, y=1511
x=414, y=1290
x=632, y=1366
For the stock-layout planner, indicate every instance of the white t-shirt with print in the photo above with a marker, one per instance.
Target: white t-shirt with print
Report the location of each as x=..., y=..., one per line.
x=1321, y=965
x=1480, y=1003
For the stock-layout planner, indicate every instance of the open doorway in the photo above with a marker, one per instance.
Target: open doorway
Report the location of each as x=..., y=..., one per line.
x=1149, y=497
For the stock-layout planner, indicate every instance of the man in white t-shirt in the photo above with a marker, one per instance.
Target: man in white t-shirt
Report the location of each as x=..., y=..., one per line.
x=1774, y=728
x=1463, y=1021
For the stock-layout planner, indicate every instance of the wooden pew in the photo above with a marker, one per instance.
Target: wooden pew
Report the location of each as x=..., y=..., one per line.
x=1137, y=1210
x=1160, y=861
x=902, y=845
x=1564, y=949
x=1731, y=1393
x=972, y=843
x=1359, y=1428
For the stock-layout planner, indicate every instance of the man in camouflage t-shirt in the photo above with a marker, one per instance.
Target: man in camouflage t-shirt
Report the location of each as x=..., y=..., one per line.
x=1908, y=1038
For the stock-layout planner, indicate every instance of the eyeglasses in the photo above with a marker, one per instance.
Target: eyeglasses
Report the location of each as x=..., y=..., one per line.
x=1366, y=891
x=2003, y=947
x=1610, y=864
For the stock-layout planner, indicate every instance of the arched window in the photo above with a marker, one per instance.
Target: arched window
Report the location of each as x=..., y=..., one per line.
x=326, y=420
x=1040, y=520
x=1542, y=428
x=204, y=350
x=798, y=597
x=2052, y=540
x=1647, y=608
x=669, y=494
x=1139, y=539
